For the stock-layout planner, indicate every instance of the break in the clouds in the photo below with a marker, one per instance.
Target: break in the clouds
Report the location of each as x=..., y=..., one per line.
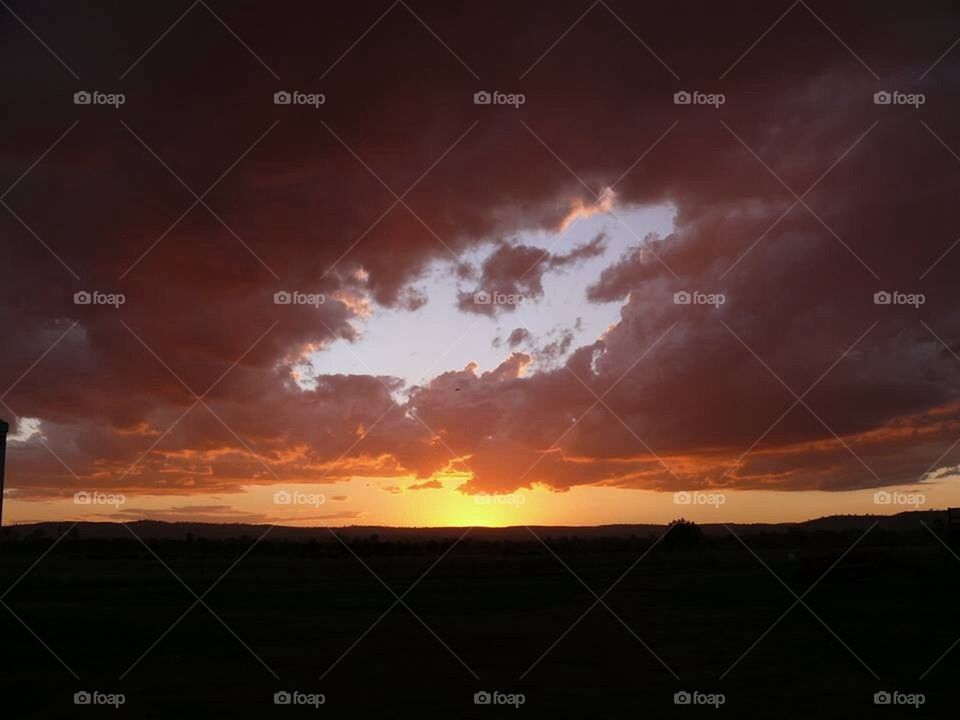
x=751, y=348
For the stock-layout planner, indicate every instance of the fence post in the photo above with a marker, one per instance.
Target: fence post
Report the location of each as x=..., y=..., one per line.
x=3, y=453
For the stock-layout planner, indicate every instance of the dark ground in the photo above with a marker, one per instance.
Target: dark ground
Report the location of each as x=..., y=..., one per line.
x=699, y=604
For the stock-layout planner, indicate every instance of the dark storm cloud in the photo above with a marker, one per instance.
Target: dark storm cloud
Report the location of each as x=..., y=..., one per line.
x=399, y=169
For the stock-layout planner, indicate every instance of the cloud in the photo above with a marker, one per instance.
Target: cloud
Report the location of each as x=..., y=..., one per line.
x=517, y=271
x=670, y=396
x=427, y=485
x=518, y=336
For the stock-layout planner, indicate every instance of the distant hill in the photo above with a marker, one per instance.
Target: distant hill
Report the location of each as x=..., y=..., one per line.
x=155, y=529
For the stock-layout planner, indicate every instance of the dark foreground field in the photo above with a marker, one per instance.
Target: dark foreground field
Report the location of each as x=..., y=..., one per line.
x=480, y=619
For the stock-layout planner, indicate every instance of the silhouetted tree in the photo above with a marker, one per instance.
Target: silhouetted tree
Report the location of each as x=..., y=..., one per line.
x=683, y=535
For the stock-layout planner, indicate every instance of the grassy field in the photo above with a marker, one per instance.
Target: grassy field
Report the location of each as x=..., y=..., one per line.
x=490, y=609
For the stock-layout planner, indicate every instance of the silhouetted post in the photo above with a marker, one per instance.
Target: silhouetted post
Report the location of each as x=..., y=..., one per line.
x=3, y=455
x=953, y=526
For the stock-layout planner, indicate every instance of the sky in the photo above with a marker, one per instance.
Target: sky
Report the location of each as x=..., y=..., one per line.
x=688, y=261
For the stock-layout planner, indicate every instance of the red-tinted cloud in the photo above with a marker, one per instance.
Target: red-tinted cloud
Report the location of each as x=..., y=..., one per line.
x=311, y=206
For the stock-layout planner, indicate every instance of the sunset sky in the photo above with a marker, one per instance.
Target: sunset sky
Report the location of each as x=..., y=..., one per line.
x=585, y=391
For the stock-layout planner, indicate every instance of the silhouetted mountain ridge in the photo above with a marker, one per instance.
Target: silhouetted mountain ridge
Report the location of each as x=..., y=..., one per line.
x=157, y=529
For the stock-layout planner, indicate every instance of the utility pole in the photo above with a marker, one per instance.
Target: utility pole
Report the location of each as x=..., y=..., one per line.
x=3, y=454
